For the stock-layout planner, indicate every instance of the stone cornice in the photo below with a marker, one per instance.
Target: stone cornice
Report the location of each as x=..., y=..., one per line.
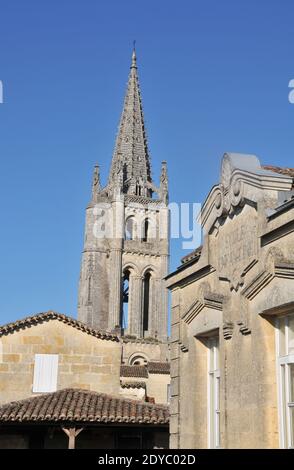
x=277, y=232
x=281, y=270
x=257, y=284
x=138, y=201
x=185, y=278
x=149, y=253
x=280, y=310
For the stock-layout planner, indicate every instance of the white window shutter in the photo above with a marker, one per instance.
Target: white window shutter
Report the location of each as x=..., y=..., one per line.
x=45, y=373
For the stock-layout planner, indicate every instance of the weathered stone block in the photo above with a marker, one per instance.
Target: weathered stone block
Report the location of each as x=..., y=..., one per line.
x=11, y=357
x=80, y=368
x=174, y=405
x=174, y=351
x=175, y=334
x=174, y=368
x=174, y=441
x=174, y=386
x=174, y=423
x=33, y=339
x=72, y=358
x=44, y=349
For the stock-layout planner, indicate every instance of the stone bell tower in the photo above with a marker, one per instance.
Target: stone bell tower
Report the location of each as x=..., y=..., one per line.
x=126, y=246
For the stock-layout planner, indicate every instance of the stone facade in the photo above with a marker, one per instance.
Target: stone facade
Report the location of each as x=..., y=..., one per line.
x=226, y=386
x=84, y=361
x=126, y=248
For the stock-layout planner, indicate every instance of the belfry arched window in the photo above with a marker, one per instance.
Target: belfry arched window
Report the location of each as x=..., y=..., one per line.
x=125, y=300
x=146, y=301
x=138, y=190
x=145, y=230
x=130, y=228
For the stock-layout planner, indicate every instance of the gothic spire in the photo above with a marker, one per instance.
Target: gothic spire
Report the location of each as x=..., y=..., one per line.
x=130, y=168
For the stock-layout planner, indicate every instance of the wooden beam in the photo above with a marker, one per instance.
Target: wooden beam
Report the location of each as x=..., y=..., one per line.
x=72, y=433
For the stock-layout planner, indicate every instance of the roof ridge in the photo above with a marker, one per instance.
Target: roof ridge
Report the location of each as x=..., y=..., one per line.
x=104, y=409
x=52, y=315
x=127, y=370
x=132, y=384
x=84, y=391
x=283, y=170
x=158, y=367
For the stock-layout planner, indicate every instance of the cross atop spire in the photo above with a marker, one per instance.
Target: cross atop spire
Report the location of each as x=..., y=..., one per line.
x=134, y=57
x=130, y=169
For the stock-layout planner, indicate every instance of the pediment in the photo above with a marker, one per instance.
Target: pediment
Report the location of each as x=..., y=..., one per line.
x=200, y=319
x=205, y=301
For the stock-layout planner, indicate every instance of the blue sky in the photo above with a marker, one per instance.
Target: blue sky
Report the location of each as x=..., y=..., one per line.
x=214, y=77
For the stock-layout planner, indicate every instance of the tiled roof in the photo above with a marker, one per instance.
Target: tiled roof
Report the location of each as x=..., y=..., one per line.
x=158, y=367
x=142, y=371
x=133, y=384
x=76, y=406
x=47, y=316
x=133, y=371
x=278, y=169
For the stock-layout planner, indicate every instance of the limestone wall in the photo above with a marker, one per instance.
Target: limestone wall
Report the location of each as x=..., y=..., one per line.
x=147, y=351
x=157, y=387
x=242, y=281
x=84, y=360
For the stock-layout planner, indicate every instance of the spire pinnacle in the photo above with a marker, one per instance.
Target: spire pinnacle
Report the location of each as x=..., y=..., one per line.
x=134, y=57
x=164, y=182
x=130, y=168
x=96, y=183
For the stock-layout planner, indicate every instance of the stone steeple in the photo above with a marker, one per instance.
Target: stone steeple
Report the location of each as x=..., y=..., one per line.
x=126, y=247
x=130, y=168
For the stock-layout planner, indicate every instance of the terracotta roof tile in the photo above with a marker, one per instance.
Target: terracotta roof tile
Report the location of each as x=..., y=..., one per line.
x=47, y=316
x=73, y=405
x=133, y=371
x=158, y=367
x=142, y=371
x=133, y=384
x=279, y=169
